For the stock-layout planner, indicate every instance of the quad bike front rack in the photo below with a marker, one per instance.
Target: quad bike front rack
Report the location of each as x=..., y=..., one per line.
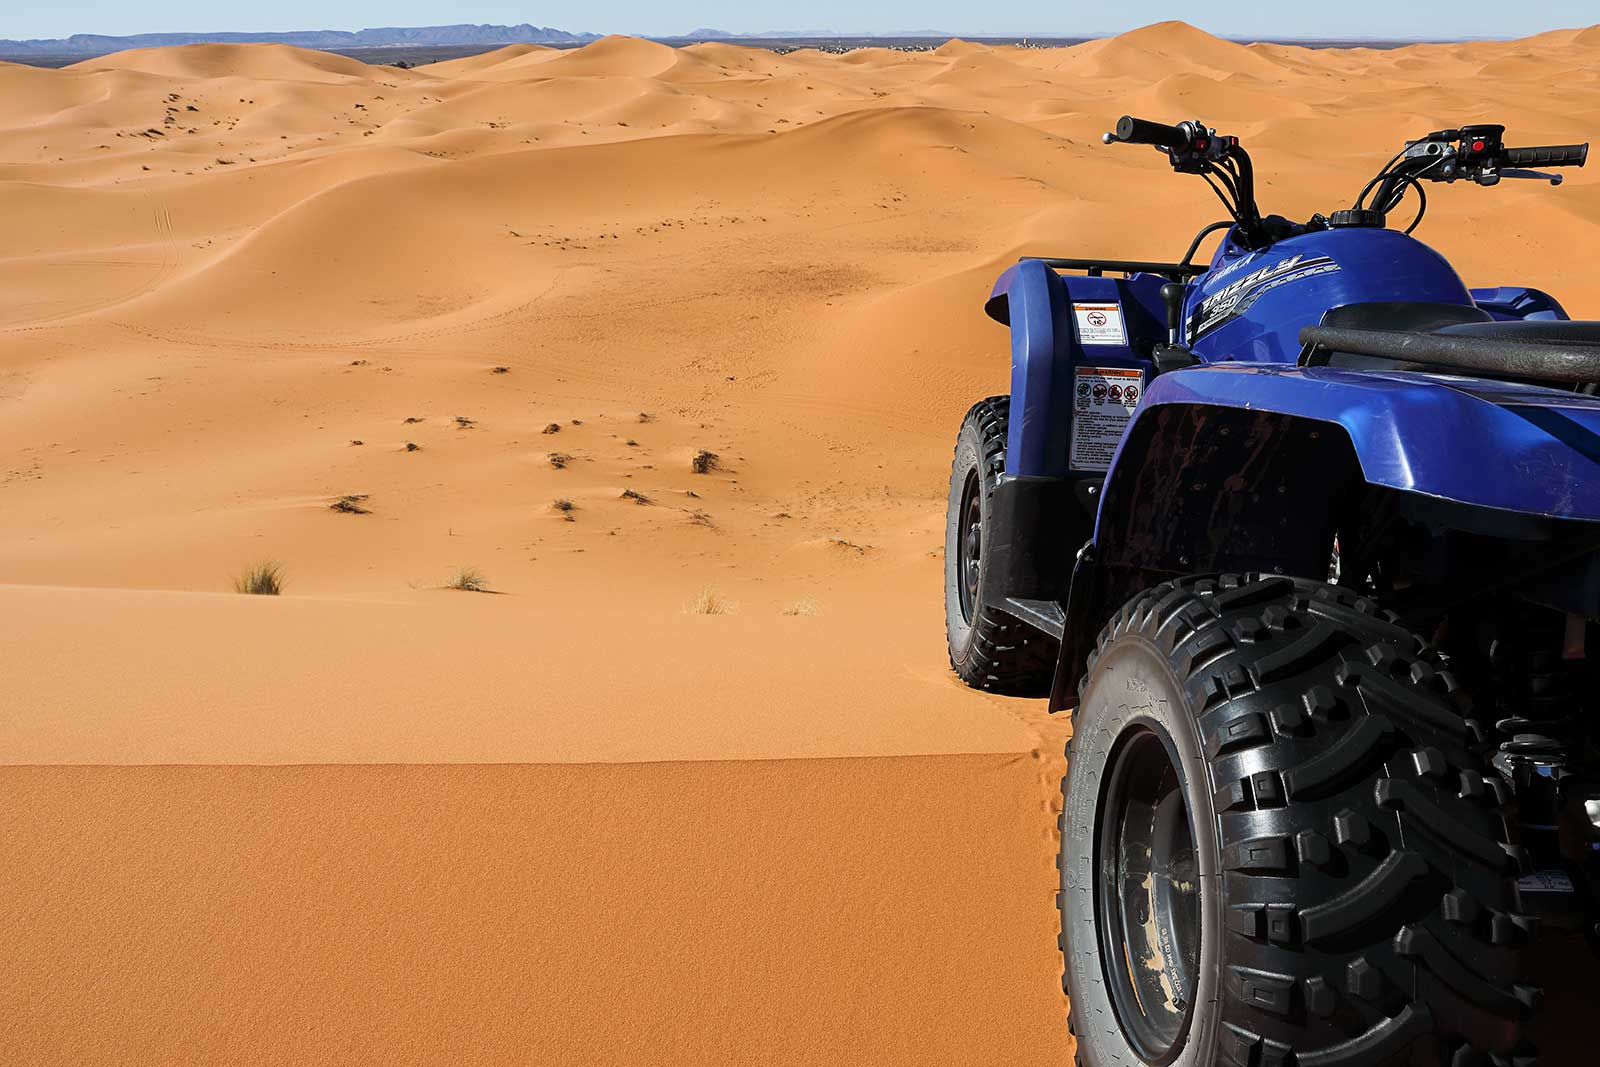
x=1556, y=361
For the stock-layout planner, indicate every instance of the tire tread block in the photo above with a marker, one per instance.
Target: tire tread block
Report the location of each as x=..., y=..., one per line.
x=1385, y=1039
x=1417, y=944
x=1342, y=762
x=1426, y=816
x=1365, y=901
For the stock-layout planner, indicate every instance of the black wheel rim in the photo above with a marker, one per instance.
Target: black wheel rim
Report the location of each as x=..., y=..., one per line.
x=969, y=552
x=1148, y=901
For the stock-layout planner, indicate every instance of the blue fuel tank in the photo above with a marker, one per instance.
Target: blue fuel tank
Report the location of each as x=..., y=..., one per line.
x=1251, y=306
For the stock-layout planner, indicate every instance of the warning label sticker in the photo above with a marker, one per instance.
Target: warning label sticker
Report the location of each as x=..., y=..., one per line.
x=1103, y=399
x=1100, y=324
x=1550, y=881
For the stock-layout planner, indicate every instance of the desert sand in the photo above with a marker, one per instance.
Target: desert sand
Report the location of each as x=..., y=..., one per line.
x=375, y=820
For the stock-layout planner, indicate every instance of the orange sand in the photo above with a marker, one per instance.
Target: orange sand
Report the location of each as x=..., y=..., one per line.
x=376, y=821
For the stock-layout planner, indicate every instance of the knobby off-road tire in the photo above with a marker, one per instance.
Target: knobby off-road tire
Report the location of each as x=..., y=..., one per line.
x=1349, y=881
x=988, y=648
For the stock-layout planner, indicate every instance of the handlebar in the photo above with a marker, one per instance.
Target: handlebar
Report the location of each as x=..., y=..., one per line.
x=1192, y=147
x=1473, y=153
x=1560, y=155
x=1141, y=131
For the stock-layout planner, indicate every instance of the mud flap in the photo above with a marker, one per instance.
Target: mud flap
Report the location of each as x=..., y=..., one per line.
x=1033, y=523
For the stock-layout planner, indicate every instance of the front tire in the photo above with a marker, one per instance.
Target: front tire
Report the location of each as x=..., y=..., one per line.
x=1280, y=844
x=989, y=649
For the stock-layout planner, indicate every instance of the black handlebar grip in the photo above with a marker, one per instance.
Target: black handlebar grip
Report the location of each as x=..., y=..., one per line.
x=1138, y=131
x=1556, y=155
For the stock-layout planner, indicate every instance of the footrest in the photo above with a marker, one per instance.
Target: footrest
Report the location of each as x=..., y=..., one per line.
x=1045, y=615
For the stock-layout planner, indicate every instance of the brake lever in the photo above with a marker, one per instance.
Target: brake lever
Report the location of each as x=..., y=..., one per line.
x=1553, y=179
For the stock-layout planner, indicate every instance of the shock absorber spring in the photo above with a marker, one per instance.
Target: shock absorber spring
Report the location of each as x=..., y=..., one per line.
x=1537, y=684
x=1538, y=665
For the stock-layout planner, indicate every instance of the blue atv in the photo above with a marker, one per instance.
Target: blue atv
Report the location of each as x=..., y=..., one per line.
x=1309, y=540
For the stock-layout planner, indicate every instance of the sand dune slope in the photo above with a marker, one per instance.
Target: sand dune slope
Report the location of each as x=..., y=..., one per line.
x=497, y=307
x=516, y=843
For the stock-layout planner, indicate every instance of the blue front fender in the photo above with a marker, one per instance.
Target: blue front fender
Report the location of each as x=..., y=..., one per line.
x=1521, y=448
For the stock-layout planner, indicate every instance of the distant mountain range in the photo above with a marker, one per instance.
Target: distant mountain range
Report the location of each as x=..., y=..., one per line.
x=93, y=44
x=464, y=36
x=707, y=34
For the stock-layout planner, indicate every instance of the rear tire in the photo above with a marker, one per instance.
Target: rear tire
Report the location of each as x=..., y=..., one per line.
x=1347, y=899
x=989, y=649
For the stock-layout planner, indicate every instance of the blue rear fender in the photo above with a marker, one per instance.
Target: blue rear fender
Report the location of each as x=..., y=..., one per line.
x=1038, y=304
x=1502, y=445
x=1519, y=302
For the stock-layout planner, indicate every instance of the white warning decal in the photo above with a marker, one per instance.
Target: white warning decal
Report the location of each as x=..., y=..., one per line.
x=1100, y=324
x=1549, y=881
x=1103, y=399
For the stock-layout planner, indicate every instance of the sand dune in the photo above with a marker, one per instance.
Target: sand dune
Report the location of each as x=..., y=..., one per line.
x=476, y=65
x=1162, y=48
x=241, y=282
x=258, y=62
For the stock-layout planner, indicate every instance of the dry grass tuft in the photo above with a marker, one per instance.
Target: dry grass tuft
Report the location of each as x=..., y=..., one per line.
x=412, y=446
x=566, y=508
x=700, y=518
x=636, y=496
x=499, y=370
x=705, y=462
x=465, y=423
x=264, y=579
x=469, y=580
x=554, y=427
x=709, y=602
x=559, y=460
x=350, y=504
x=803, y=606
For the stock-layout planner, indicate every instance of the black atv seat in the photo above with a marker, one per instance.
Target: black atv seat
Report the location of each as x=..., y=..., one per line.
x=1406, y=316
x=1410, y=315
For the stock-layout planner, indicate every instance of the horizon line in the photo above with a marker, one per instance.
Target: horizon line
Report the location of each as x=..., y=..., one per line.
x=821, y=34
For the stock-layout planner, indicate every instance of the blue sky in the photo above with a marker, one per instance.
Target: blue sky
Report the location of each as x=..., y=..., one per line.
x=1360, y=18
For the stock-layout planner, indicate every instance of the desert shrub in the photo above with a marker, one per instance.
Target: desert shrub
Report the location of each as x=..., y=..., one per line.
x=709, y=602
x=469, y=580
x=264, y=579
